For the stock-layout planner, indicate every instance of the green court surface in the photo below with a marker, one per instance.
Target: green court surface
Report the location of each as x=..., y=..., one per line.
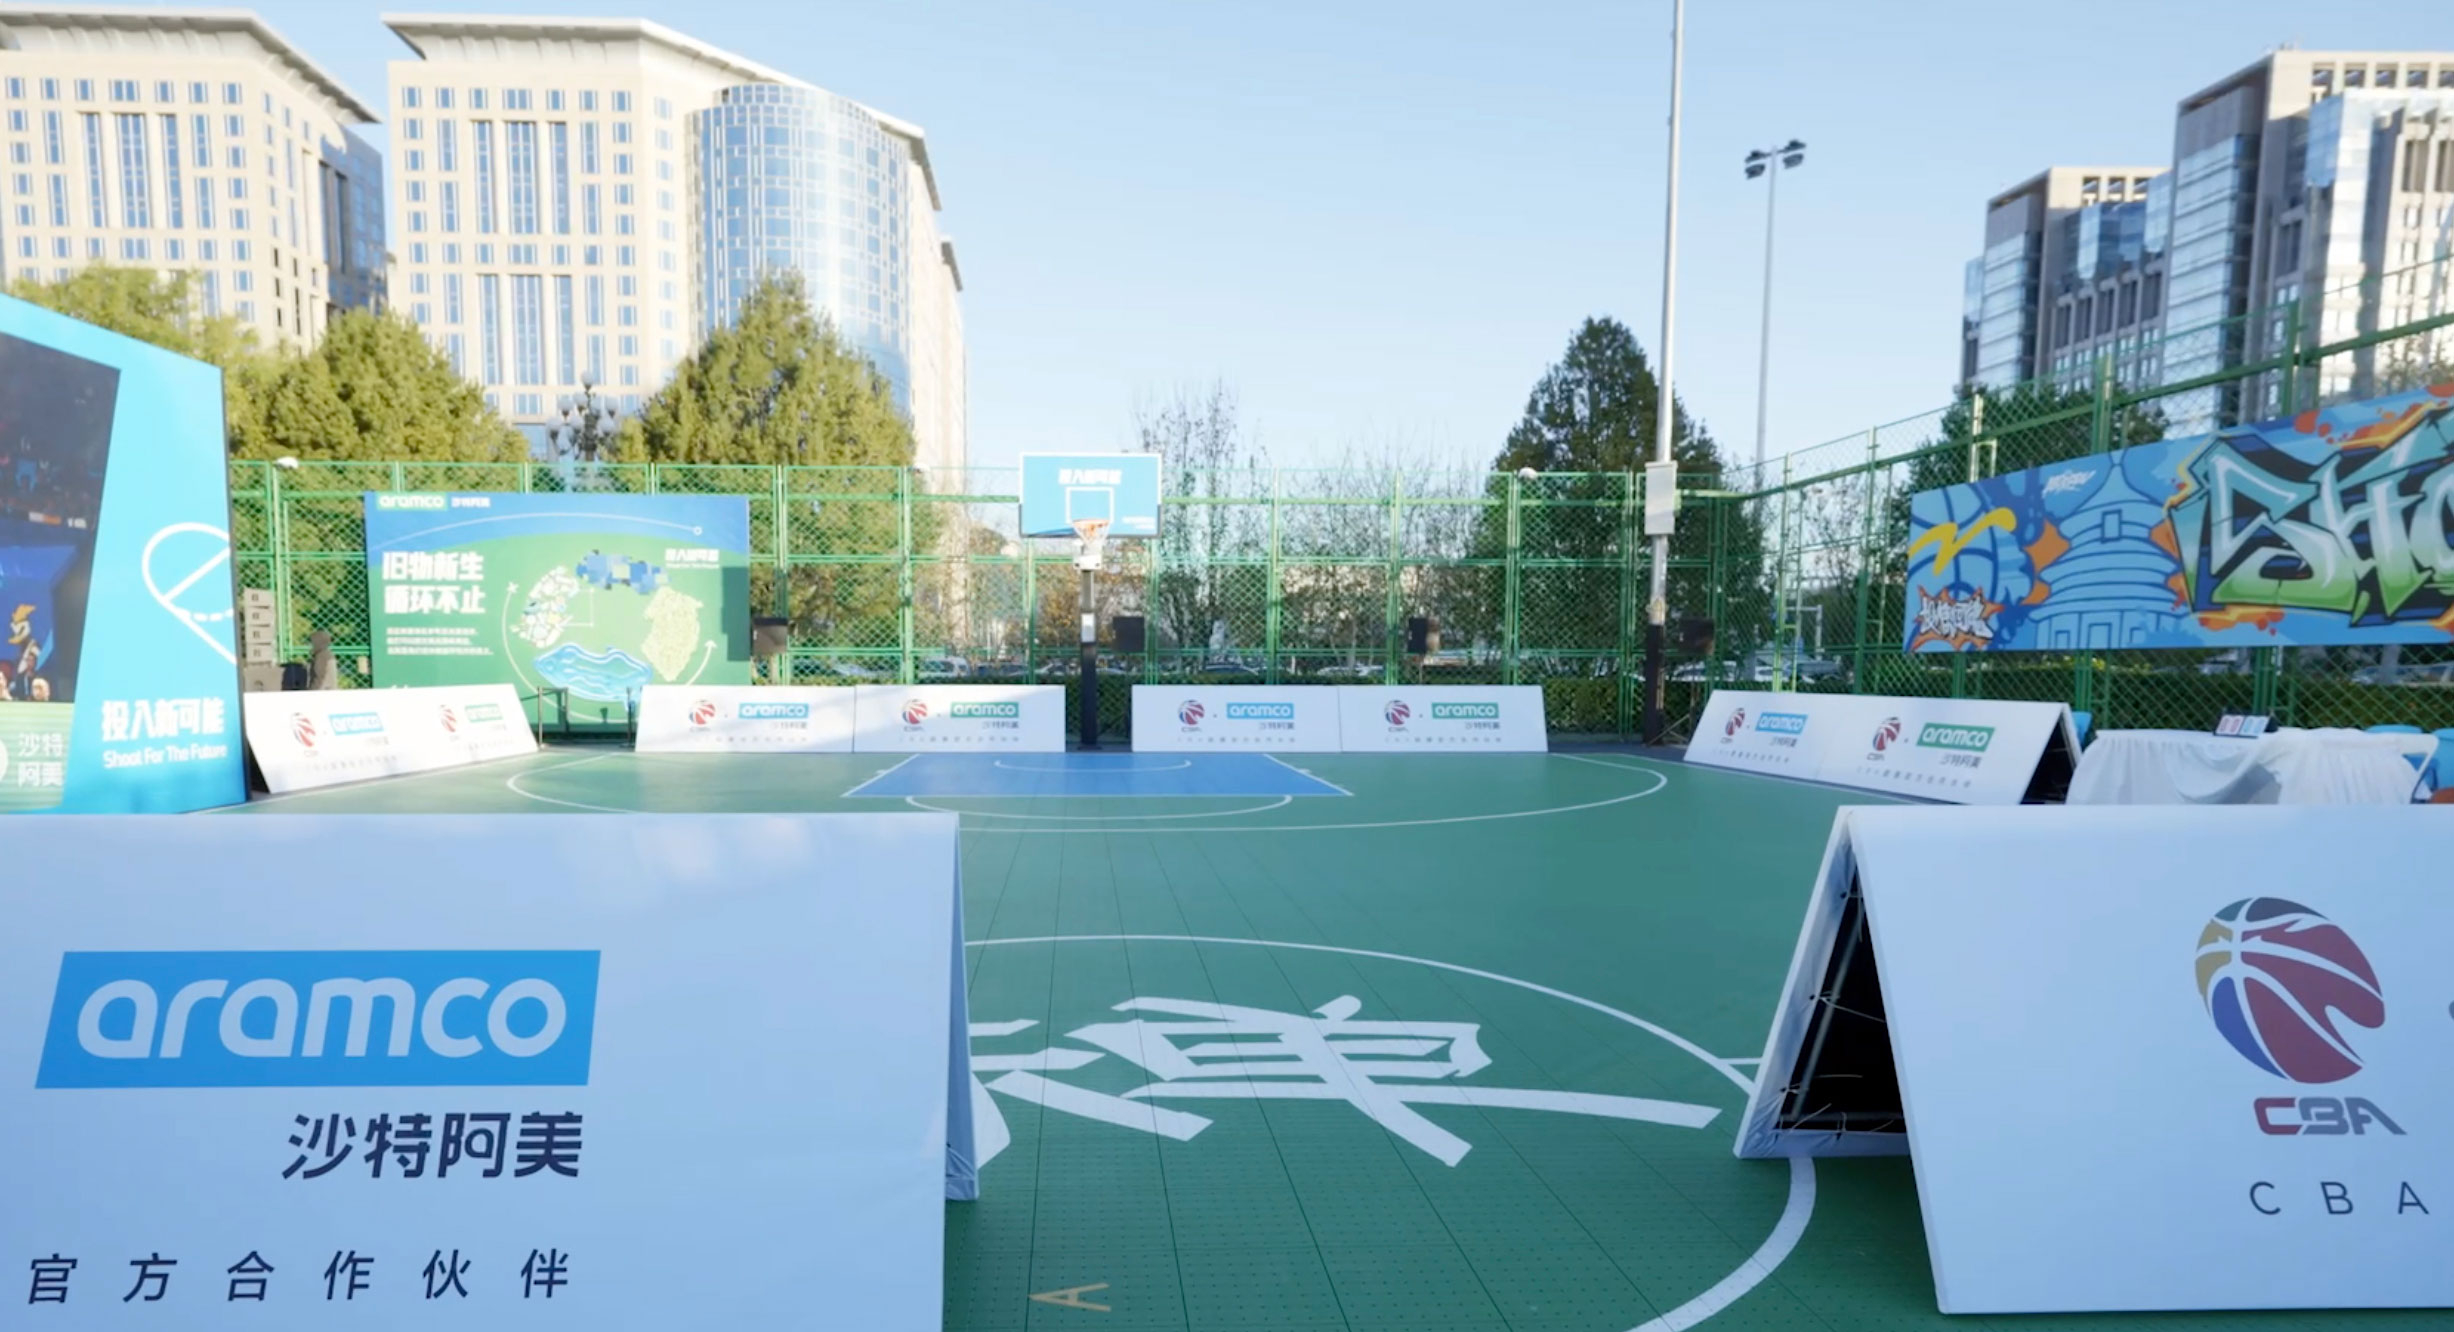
x=1542, y=979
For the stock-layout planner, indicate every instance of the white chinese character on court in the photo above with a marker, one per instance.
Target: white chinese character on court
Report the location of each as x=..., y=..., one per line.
x=1383, y=1069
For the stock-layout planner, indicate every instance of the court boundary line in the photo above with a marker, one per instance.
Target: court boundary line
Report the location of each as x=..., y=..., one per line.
x=1660, y=776
x=866, y=781
x=917, y=803
x=389, y=779
x=1304, y=772
x=1796, y=1211
x=1172, y=767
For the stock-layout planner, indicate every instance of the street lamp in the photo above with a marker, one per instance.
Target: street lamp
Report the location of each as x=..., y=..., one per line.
x=587, y=425
x=1769, y=163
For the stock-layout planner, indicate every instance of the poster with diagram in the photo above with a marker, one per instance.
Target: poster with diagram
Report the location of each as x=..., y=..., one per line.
x=593, y=596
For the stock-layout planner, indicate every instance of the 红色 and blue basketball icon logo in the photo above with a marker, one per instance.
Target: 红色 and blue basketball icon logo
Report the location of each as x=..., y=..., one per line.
x=915, y=712
x=2279, y=979
x=449, y=718
x=702, y=712
x=1888, y=734
x=302, y=729
x=1397, y=712
x=1736, y=723
x=1190, y=712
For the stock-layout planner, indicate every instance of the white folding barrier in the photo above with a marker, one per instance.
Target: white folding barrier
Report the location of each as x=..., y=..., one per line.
x=303, y=739
x=1964, y=751
x=954, y=719
x=2180, y=1057
x=1417, y=719
x=745, y=719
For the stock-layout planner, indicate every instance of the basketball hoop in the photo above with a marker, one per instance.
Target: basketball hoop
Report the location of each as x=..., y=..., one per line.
x=1094, y=534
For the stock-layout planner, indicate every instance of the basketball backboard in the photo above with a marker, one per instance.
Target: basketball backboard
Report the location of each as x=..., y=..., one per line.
x=1062, y=489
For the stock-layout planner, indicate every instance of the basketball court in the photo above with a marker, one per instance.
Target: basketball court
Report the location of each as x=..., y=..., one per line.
x=1357, y=1041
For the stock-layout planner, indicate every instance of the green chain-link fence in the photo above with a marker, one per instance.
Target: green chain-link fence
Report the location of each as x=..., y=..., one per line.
x=1791, y=580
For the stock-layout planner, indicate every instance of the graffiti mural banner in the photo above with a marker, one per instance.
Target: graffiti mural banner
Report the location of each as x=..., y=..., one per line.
x=2331, y=527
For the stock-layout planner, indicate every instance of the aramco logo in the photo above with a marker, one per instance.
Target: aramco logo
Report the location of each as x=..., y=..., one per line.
x=2275, y=976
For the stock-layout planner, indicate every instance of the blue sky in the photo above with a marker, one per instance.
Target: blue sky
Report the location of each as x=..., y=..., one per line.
x=1378, y=222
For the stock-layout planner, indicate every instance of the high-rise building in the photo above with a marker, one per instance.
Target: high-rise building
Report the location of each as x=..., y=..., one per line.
x=2311, y=198
x=188, y=139
x=580, y=201
x=2066, y=263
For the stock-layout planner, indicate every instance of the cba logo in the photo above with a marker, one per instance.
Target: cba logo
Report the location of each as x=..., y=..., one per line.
x=1888, y=734
x=302, y=729
x=915, y=712
x=2275, y=975
x=1397, y=712
x=702, y=712
x=1736, y=723
x=1190, y=712
x=451, y=720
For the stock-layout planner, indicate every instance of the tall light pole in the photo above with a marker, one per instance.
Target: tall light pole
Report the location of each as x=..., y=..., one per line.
x=1769, y=163
x=1657, y=606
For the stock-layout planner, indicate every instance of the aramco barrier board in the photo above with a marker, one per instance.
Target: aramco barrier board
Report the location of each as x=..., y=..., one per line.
x=1193, y=718
x=1963, y=751
x=595, y=595
x=119, y=683
x=1435, y=719
x=2181, y=1057
x=648, y=1071
x=745, y=719
x=954, y=719
x=302, y=739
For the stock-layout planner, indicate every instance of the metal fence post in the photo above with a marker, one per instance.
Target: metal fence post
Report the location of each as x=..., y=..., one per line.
x=1393, y=604
x=1510, y=590
x=903, y=568
x=1270, y=603
x=1631, y=570
x=1866, y=563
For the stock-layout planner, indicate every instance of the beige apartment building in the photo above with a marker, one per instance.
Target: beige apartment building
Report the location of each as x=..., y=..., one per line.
x=577, y=202
x=188, y=139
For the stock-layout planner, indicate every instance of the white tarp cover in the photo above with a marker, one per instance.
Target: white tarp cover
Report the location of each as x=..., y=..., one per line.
x=2289, y=767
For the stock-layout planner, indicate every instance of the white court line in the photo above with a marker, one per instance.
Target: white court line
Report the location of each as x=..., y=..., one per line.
x=1302, y=772
x=1660, y=780
x=1164, y=767
x=875, y=776
x=917, y=803
x=1795, y=1212
x=512, y=784
x=252, y=801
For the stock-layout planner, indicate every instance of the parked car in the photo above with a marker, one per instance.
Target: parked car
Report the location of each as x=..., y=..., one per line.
x=1350, y=670
x=2439, y=673
x=948, y=668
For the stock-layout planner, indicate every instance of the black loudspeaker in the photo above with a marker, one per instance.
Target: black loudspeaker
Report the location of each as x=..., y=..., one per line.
x=1696, y=637
x=1127, y=632
x=770, y=637
x=1422, y=636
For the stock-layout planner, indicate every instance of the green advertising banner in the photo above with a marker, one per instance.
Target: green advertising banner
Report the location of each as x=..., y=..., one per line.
x=596, y=595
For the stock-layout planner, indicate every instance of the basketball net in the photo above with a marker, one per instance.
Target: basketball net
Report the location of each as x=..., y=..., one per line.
x=1094, y=534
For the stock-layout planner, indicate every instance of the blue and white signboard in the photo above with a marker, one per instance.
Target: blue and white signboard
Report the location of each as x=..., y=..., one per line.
x=119, y=671
x=745, y=719
x=1061, y=489
x=2180, y=1057
x=1194, y=718
x=495, y=1072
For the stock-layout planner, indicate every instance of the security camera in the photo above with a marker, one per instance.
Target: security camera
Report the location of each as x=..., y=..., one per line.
x=1527, y=474
x=286, y=464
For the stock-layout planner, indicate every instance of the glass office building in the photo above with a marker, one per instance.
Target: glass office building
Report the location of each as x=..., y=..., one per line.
x=797, y=180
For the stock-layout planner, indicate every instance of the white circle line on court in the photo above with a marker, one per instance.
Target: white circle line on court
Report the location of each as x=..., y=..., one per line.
x=1660, y=778
x=1795, y=1212
x=512, y=784
x=1095, y=767
x=917, y=803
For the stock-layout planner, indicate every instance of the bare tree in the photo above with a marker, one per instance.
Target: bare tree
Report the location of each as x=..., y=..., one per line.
x=1218, y=486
